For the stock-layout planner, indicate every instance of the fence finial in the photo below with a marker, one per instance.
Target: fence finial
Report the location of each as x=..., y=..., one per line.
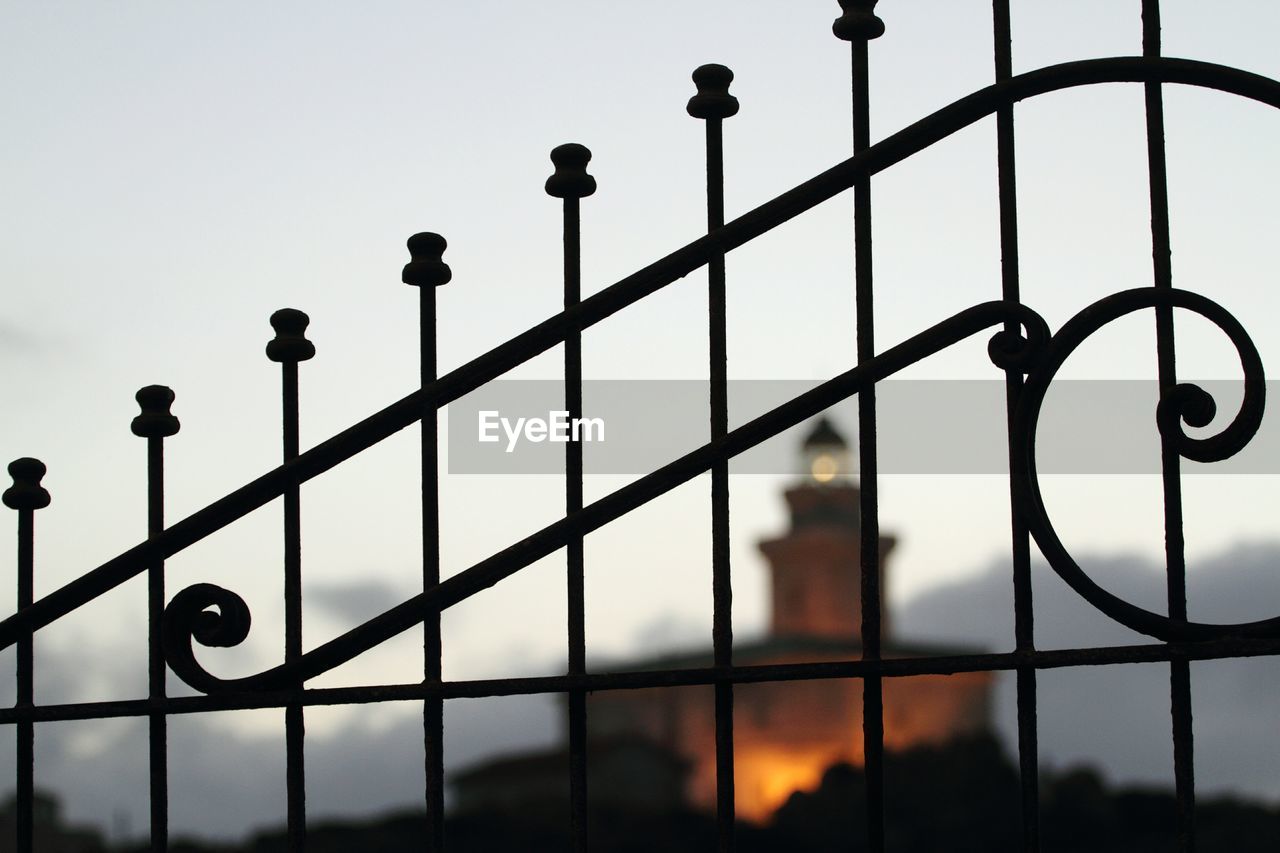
x=156, y=421
x=858, y=21
x=713, y=99
x=426, y=267
x=570, y=179
x=290, y=342
x=26, y=491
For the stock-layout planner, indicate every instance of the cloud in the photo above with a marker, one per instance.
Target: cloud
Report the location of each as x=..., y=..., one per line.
x=1118, y=717
x=227, y=770
x=353, y=602
x=15, y=340
x=226, y=781
x=671, y=632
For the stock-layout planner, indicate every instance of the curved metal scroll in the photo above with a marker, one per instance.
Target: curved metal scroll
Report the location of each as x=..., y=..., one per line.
x=1184, y=403
x=189, y=617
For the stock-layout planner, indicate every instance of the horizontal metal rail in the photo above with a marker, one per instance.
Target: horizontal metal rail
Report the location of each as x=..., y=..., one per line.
x=1039, y=659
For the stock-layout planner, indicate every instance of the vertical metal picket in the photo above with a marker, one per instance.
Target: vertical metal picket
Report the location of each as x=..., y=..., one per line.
x=26, y=495
x=858, y=25
x=712, y=103
x=1023, y=610
x=289, y=347
x=426, y=271
x=571, y=183
x=1170, y=459
x=155, y=423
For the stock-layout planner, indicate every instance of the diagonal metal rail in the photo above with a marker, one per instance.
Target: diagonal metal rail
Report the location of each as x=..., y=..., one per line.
x=536, y=340
x=181, y=619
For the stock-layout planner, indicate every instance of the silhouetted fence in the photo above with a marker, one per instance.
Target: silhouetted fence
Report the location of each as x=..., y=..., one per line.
x=1022, y=346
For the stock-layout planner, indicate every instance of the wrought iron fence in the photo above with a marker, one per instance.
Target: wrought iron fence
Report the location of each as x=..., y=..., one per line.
x=1022, y=346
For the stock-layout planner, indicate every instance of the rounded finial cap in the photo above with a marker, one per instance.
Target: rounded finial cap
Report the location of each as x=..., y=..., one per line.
x=713, y=99
x=26, y=491
x=426, y=267
x=858, y=21
x=290, y=343
x=155, y=421
x=570, y=179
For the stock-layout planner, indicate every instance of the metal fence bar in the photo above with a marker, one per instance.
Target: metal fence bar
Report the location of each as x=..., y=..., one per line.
x=156, y=672
x=627, y=291
x=427, y=270
x=571, y=183
x=25, y=672
x=1024, y=614
x=1170, y=460
x=713, y=104
x=26, y=495
x=155, y=423
x=859, y=25
x=1202, y=650
x=289, y=347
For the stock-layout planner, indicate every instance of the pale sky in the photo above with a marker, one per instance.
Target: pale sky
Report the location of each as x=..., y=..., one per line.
x=174, y=172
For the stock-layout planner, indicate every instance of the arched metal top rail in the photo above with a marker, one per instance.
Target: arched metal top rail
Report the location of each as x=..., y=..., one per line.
x=536, y=340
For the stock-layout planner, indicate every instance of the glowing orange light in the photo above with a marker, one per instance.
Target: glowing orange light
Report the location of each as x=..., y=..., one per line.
x=764, y=779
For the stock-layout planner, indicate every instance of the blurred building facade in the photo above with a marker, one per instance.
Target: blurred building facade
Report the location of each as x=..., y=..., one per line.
x=786, y=734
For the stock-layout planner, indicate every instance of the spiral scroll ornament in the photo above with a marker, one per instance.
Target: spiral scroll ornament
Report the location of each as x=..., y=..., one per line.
x=1020, y=351
x=1182, y=405
x=206, y=614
